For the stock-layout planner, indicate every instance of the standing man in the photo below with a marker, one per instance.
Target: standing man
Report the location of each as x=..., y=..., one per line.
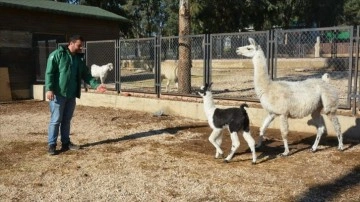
x=64, y=72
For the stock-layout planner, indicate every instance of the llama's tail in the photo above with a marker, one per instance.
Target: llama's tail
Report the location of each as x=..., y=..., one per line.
x=326, y=77
x=242, y=106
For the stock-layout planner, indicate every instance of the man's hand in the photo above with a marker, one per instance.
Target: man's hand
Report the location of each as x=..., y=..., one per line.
x=50, y=95
x=101, y=88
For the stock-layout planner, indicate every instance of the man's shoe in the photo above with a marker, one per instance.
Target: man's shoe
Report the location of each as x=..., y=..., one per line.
x=70, y=146
x=52, y=150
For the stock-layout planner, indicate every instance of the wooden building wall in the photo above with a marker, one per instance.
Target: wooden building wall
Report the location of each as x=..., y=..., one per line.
x=57, y=24
x=21, y=29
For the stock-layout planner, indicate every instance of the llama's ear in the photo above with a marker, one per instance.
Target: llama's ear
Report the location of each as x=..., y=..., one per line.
x=252, y=41
x=202, y=90
x=209, y=87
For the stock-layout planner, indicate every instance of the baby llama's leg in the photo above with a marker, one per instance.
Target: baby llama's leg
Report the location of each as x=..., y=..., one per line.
x=218, y=141
x=284, y=128
x=266, y=123
x=251, y=142
x=337, y=129
x=320, y=126
x=213, y=137
x=235, y=144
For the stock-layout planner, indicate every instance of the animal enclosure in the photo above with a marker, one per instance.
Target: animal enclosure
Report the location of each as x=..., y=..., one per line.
x=291, y=55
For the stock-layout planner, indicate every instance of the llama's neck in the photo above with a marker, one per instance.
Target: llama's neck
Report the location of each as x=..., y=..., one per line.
x=261, y=75
x=209, y=104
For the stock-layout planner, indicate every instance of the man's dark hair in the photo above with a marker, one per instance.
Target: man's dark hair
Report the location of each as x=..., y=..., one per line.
x=73, y=38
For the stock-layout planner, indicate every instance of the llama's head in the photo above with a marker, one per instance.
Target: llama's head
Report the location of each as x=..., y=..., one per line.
x=326, y=77
x=205, y=90
x=110, y=66
x=249, y=50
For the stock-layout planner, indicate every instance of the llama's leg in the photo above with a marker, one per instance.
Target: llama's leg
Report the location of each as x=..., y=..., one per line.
x=167, y=85
x=176, y=81
x=266, y=123
x=284, y=128
x=337, y=129
x=161, y=80
x=251, y=142
x=320, y=126
x=213, y=139
x=235, y=144
x=218, y=141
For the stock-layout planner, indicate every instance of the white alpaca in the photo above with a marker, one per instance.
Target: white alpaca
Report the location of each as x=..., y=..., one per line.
x=101, y=71
x=292, y=99
x=234, y=119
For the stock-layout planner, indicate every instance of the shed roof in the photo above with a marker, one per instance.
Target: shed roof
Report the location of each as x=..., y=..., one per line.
x=62, y=8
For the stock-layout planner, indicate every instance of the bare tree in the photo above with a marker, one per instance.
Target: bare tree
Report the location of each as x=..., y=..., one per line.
x=184, y=69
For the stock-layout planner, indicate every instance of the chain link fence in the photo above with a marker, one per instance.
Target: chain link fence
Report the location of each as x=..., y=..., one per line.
x=171, y=65
x=232, y=75
x=137, y=62
x=309, y=53
x=101, y=53
x=43, y=49
x=148, y=64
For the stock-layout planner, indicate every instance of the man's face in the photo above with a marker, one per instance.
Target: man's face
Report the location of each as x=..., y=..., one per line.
x=75, y=47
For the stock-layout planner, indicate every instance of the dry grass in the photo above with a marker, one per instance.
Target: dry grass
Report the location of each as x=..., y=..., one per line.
x=135, y=156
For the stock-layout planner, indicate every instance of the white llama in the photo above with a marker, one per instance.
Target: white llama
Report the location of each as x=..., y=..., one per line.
x=234, y=119
x=292, y=99
x=169, y=72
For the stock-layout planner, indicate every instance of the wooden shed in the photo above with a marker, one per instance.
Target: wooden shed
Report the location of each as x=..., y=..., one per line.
x=30, y=30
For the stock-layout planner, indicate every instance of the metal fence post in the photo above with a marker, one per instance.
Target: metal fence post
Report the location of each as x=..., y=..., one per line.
x=356, y=94
x=207, y=58
x=270, y=55
x=157, y=58
x=117, y=66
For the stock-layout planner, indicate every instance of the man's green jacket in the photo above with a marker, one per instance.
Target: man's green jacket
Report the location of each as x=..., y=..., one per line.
x=57, y=76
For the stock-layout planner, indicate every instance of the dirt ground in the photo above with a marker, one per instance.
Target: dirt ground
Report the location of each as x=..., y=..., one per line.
x=136, y=156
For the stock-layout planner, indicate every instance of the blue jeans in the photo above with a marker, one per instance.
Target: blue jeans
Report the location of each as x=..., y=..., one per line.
x=61, y=110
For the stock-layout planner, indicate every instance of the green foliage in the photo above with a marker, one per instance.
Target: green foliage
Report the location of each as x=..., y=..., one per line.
x=148, y=16
x=213, y=16
x=152, y=17
x=352, y=12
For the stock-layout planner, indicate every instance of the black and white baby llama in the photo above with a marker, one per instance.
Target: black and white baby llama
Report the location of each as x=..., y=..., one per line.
x=235, y=119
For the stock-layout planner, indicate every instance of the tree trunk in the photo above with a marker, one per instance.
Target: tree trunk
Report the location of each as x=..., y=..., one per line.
x=184, y=68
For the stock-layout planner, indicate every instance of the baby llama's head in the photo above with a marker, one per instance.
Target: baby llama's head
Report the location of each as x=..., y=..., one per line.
x=205, y=90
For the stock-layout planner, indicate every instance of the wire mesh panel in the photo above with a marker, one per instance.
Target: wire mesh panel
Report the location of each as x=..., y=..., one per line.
x=137, y=57
x=169, y=66
x=44, y=48
x=309, y=53
x=232, y=75
x=100, y=55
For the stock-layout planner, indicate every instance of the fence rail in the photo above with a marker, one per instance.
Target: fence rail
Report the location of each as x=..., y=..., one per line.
x=143, y=65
